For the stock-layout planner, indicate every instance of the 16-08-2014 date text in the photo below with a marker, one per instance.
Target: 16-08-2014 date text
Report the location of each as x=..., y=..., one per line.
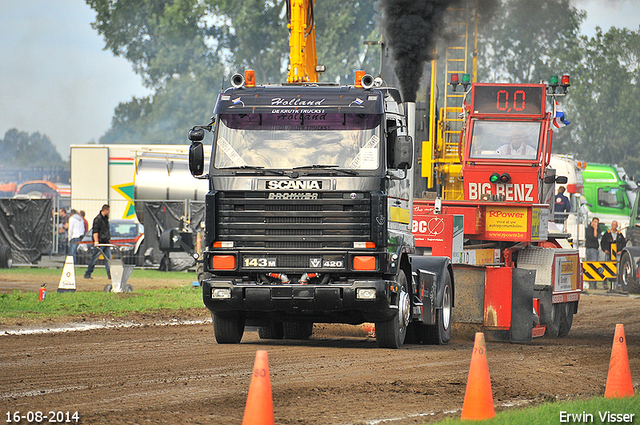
x=42, y=417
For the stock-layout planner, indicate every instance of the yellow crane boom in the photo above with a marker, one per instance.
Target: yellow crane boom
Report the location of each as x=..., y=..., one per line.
x=302, y=42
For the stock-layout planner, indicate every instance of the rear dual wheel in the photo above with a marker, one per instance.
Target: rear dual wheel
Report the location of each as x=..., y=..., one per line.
x=562, y=320
x=286, y=330
x=440, y=332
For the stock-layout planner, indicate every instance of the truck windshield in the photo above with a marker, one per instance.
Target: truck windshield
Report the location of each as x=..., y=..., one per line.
x=285, y=141
x=505, y=139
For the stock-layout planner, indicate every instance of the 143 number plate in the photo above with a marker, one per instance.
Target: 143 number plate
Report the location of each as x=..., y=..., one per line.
x=259, y=262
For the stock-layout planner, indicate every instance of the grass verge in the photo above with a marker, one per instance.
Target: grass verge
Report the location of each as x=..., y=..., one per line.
x=21, y=305
x=79, y=270
x=598, y=410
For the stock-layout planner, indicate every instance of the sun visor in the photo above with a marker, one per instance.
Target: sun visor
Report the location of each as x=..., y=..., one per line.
x=296, y=100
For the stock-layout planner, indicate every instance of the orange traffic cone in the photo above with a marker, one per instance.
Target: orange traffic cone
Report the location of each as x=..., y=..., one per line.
x=478, y=399
x=259, y=408
x=619, y=378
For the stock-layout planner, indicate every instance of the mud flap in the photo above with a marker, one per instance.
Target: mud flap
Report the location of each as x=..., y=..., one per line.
x=522, y=305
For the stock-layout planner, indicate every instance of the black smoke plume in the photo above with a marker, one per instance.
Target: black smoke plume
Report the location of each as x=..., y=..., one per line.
x=411, y=29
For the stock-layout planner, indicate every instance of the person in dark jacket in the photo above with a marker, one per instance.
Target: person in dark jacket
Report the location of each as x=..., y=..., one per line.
x=612, y=235
x=592, y=235
x=101, y=234
x=561, y=206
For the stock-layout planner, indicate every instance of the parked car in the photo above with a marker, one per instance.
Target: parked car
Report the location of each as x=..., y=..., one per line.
x=127, y=234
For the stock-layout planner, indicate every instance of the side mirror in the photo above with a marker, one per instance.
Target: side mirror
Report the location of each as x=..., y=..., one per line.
x=196, y=156
x=196, y=134
x=403, y=152
x=562, y=179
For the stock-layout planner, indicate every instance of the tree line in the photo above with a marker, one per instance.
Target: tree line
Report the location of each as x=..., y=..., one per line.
x=185, y=50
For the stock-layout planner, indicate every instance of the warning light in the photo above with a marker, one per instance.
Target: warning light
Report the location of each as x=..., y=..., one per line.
x=553, y=83
x=505, y=178
x=359, y=75
x=455, y=80
x=494, y=178
x=249, y=78
x=564, y=83
x=466, y=80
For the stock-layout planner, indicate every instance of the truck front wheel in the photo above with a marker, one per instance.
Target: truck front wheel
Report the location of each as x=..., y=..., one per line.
x=391, y=333
x=227, y=329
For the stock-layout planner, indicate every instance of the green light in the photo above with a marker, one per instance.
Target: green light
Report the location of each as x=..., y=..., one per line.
x=466, y=78
x=553, y=81
x=494, y=178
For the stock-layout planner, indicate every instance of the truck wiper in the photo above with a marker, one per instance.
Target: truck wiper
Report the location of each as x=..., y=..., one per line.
x=323, y=166
x=256, y=167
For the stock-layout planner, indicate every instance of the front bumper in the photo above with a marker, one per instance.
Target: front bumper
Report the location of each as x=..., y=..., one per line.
x=333, y=303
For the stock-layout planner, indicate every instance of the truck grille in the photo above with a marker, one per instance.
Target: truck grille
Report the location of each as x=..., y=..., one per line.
x=333, y=220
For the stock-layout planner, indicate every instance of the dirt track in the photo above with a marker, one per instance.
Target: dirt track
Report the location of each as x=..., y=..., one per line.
x=178, y=374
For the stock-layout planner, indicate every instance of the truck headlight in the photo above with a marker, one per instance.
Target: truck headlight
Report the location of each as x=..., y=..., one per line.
x=221, y=293
x=366, y=293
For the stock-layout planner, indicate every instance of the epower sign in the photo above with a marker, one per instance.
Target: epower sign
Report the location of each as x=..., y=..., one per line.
x=516, y=223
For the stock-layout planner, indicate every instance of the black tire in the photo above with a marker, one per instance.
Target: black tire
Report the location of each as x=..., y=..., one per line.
x=440, y=333
x=227, y=329
x=561, y=320
x=6, y=258
x=392, y=333
x=165, y=263
x=297, y=330
x=127, y=287
x=566, y=319
x=273, y=330
x=107, y=287
x=626, y=277
x=633, y=236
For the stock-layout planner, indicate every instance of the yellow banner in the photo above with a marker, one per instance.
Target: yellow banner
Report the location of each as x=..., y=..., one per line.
x=506, y=221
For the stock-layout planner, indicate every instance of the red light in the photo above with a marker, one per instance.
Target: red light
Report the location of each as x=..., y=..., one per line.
x=505, y=178
x=565, y=81
x=455, y=79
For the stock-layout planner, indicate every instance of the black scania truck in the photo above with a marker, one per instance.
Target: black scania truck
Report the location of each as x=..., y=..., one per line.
x=308, y=216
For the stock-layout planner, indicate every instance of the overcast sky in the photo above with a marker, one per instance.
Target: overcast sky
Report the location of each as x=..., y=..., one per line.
x=56, y=79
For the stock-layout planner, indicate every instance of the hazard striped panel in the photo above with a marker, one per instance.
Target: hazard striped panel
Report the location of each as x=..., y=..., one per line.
x=597, y=271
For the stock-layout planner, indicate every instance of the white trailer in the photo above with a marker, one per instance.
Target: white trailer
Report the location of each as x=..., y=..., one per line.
x=106, y=174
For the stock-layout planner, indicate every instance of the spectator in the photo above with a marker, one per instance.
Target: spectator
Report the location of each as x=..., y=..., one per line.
x=76, y=232
x=86, y=223
x=612, y=235
x=562, y=205
x=592, y=244
x=101, y=234
x=63, y=225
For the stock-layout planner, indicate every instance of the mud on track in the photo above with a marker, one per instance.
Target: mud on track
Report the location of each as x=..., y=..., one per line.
x=178, y=374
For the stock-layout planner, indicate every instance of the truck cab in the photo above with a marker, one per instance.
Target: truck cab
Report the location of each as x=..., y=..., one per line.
x=308, y=211
x=609, y=197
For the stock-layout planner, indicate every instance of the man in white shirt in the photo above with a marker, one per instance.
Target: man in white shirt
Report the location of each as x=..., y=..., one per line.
x=76, y=232
x=518, y=146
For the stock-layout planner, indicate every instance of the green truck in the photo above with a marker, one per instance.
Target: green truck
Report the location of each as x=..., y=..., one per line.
x=609, y=193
